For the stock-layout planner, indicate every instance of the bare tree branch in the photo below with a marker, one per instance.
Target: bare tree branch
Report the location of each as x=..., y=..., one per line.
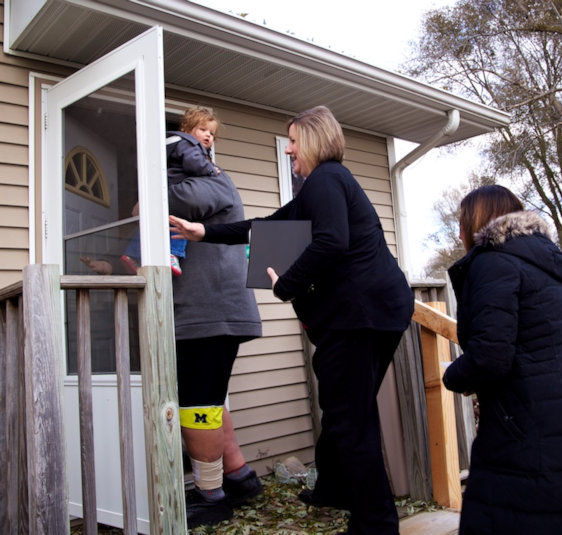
x=507, y=54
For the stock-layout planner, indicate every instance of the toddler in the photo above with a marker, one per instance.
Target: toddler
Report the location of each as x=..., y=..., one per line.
x=188, y=154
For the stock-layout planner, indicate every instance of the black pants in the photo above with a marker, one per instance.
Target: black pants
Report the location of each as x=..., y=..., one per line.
x=350, y=366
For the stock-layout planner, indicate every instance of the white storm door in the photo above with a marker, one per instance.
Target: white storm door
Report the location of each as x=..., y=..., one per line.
x=103, y=150
x=141, y=57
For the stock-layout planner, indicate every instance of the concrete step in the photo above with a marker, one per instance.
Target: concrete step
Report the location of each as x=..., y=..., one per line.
x=435, y=523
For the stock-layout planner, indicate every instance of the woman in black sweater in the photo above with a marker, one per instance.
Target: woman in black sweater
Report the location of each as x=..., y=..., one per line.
x=354, y=302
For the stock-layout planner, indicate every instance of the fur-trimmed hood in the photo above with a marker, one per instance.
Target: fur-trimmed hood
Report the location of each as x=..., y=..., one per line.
x=521, y=234
x=509, y=226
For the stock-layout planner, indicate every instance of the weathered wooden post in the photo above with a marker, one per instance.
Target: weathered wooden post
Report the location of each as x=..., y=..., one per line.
x=122, y=356
x=16, y=465
x=86, y=408
x=23, y=494
x=13, y=451
x=4, y=423
x=441, y=418
x=413, y=408
x=48, y=493
x=160, y=401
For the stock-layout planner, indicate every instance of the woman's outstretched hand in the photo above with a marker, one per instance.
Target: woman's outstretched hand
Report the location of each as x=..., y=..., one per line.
x=183, y=229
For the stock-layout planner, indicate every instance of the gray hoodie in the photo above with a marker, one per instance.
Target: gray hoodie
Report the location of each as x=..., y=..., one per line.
x=210, y=297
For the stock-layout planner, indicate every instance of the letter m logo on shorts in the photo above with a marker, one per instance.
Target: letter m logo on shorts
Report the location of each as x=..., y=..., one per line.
x=200, y=418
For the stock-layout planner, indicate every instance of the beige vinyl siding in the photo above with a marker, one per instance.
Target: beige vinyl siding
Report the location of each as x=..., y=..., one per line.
x=14, y=161
x=367, y=158
x=14, y=193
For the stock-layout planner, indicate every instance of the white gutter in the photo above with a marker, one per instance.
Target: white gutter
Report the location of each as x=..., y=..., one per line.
x=397, y=184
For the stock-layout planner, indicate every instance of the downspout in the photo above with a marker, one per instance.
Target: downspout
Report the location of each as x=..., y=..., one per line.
x=397, y=185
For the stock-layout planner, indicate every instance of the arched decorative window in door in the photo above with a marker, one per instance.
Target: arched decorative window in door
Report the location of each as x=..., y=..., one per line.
x=84, y=176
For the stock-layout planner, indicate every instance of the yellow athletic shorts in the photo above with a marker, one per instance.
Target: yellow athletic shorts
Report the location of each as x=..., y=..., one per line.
x=201, y=417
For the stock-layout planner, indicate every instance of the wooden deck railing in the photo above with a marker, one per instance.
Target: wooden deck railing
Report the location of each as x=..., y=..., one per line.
x=34, y=496
x=437, y=329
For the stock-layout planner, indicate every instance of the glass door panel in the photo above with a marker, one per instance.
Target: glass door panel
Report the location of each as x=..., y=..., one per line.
x=100, y=183
x=100, y=215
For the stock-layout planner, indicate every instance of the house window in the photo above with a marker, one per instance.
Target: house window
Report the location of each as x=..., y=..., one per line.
x=84, y=176
x=290, y=182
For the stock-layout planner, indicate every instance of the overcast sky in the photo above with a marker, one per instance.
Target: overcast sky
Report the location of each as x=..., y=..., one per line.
x=378, y=33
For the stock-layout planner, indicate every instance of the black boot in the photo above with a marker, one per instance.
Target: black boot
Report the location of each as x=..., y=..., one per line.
x=241, y=491
x=200, y=512
x=311, y=497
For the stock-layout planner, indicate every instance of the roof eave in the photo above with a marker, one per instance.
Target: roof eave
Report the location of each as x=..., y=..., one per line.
x=207, y=25
x=261, y=44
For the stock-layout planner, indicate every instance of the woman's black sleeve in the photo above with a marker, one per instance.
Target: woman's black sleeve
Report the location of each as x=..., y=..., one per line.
x=493, y=323
x=229, y=233
x=238, y=232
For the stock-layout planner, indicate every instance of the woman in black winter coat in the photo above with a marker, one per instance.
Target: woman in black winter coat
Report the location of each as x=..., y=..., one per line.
x=509, y=293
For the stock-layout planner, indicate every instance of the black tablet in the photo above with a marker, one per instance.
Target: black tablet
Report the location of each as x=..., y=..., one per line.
x=275, y=244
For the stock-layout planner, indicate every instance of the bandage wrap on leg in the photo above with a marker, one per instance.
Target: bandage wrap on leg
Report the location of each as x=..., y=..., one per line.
x=207, y=476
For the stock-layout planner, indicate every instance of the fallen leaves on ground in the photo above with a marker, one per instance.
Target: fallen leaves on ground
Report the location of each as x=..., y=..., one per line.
x=278, y=511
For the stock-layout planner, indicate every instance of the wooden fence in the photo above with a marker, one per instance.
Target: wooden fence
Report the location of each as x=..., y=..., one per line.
x=33, y=489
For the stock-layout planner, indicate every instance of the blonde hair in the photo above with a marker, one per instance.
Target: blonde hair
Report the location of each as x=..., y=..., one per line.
x=196, y=116
x=482, y=205
x=318, y=135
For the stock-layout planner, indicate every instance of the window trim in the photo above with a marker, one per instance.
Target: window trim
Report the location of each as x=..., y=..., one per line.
x=284, y=170
x=105, y=199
